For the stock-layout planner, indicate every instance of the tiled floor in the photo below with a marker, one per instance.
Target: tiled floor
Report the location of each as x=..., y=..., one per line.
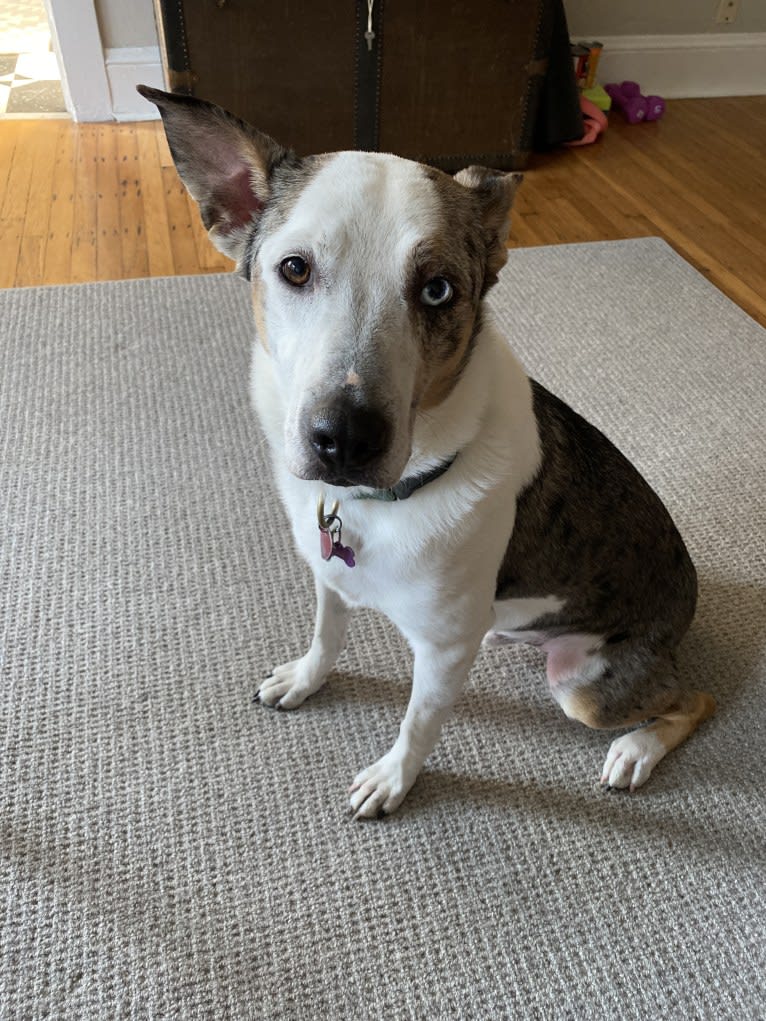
x=30, y=82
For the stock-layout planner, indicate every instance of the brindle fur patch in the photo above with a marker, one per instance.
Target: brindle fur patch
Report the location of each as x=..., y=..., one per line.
x=590, y=530
x=468, y=250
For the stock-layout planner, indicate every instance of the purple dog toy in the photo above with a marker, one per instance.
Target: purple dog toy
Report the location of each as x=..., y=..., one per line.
x=636, y=108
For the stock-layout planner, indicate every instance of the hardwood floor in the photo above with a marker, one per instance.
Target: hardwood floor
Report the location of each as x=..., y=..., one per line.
x=103, y=201
x=697, y=178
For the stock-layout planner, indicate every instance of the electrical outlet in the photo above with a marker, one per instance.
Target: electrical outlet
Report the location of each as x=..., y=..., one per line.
x=727, y=12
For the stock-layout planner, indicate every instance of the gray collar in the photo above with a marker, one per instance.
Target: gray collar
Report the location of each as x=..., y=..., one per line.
x=404, y=489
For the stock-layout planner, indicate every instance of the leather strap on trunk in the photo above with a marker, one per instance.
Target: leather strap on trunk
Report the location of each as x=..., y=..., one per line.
x=369, y=54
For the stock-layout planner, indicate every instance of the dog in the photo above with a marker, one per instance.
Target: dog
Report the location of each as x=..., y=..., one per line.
x=424, y=474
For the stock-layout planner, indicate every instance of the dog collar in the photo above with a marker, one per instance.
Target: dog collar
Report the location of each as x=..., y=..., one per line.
x=330, y=525
x=404, y=489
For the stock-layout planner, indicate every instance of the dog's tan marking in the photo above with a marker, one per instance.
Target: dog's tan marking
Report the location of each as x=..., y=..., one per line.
x=674, y=720
x=674, y=726
x=352, y=379
x=585, y=705
x=256, y=296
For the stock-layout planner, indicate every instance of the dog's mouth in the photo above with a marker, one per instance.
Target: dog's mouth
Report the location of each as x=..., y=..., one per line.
x=370, y=479
x=337, y=480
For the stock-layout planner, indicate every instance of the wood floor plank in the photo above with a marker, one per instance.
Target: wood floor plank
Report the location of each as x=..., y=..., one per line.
x=57, y=263
x=133, y=245
x=163, y=149
x=721, y=204
x=13, y=206
x=43, y=145
x=84, y=266
x=155, y=225
x=108, y=206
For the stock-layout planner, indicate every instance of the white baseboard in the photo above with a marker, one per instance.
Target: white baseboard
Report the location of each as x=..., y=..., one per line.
x=127, y=67
x=687, y=66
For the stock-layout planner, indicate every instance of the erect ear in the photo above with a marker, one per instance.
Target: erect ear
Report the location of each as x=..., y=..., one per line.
x=225, y=164
x=495, y=191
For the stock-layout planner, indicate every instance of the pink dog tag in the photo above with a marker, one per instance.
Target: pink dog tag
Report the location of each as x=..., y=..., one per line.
x=325, y=543
x=330, y=544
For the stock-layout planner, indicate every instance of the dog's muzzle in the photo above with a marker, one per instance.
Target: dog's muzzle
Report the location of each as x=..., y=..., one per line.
x=348, y=440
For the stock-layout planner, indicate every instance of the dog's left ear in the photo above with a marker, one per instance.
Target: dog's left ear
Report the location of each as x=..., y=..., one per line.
x=225, y=164
x=495, y=191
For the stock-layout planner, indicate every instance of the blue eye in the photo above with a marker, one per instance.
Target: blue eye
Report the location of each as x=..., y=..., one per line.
x=437, y=292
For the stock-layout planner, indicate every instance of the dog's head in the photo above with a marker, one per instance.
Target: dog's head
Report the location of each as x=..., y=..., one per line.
x=367, y=275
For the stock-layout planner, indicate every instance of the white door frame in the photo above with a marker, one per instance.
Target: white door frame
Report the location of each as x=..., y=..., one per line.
x=77, y=42
x=99, y=84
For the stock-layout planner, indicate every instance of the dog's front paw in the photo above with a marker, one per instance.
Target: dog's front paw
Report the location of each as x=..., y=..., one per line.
x=632, y=758
x=381, y=788
x=290, y=684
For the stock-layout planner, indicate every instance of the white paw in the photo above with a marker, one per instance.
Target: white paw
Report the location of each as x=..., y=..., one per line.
x=290, y=684
x=381, y=787
x=632, y=758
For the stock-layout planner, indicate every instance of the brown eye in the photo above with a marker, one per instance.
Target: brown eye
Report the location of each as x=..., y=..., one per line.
x=295, y=270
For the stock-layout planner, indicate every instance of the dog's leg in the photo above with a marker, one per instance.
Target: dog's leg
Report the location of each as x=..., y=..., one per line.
x=292, y=683
x=439, y=677
x=607, y=693
x=633, y=756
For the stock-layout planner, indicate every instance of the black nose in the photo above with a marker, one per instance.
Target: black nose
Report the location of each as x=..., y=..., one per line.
x=347, y=438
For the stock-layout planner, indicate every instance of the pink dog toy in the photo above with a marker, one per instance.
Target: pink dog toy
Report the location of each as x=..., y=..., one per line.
x=594, y=121
x=634, y=106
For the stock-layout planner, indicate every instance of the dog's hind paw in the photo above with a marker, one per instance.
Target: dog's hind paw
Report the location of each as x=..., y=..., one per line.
x=632, y=758
x=381, y=788
x=290, y=684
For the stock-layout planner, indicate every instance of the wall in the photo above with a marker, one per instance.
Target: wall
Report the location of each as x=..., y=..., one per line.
x=593, y=18
x=126, y=23
x=132, y=23
x=675, y=48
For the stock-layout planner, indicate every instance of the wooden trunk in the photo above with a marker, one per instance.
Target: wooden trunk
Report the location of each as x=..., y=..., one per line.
x=446, y=82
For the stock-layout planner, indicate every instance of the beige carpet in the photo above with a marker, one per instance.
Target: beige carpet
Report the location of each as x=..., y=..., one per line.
x=170, y=850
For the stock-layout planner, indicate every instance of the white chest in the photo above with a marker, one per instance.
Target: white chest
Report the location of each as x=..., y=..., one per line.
x=387, y=550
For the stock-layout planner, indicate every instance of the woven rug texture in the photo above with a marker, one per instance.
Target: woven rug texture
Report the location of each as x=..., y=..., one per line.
x=169, y=850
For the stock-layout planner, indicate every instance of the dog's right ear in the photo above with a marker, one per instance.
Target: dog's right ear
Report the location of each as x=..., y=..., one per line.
x=225, y=164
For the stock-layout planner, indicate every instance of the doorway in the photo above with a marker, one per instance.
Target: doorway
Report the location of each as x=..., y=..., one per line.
x=30, y=79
